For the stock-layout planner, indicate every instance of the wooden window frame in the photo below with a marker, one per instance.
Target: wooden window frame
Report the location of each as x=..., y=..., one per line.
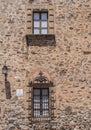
x=41, y=105
x=40, y=22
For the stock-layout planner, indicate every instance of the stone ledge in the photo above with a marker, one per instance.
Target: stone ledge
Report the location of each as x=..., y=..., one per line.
x=42, y=119
x=41, y=40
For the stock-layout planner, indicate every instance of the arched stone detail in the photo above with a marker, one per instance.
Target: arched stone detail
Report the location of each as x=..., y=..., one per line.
x=34, y=73
x=40, y=79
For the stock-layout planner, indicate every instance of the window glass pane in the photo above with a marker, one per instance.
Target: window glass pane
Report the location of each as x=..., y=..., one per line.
x=45, y=105
x=36, y=31
x=36, y=24
x=41, y=101
x=36, y=105
x=43, y=31
x=44, y=24
x=36, y=98
x=45, y=99
x=45, y=92
x=36, y=16
x=44, y=16
x=45, y=112
x=36, y=91
x=36, y=112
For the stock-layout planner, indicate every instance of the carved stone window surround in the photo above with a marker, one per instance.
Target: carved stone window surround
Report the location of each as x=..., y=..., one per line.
x=36, y=83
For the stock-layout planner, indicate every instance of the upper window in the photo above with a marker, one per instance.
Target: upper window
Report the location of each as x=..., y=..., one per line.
x=40, y=22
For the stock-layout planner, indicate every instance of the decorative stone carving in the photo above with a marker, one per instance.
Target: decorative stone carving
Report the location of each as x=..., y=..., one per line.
x=41, y=79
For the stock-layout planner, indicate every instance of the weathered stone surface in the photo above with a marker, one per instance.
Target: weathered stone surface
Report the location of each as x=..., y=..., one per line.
x=68, y=64
x=76, y=120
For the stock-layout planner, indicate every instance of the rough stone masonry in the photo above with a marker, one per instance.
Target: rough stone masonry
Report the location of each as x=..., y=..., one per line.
x=67, y=64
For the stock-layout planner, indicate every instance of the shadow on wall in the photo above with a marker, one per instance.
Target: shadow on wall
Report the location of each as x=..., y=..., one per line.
x=8, y=89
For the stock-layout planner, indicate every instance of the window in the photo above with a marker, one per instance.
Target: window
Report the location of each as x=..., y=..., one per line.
x=40, y=98
x=40, y=102
x=40, y=19
x=40, y=25
x=40, y=22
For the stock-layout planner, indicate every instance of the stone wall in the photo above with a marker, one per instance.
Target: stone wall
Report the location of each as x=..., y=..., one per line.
x=67, y=64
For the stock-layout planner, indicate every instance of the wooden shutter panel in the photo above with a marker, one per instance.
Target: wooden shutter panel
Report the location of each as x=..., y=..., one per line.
x=29, y=20
x=51, y=20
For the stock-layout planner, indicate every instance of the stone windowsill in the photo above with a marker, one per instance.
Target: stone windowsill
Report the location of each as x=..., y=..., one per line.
x=42, y=119
x=40, y=40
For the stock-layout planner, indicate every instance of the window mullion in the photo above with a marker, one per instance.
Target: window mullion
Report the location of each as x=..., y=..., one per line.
x=41, y=112
x=40, y=26
x=40, y=23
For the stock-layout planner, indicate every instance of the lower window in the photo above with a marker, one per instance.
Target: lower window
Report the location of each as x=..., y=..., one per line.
x=40, y=102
